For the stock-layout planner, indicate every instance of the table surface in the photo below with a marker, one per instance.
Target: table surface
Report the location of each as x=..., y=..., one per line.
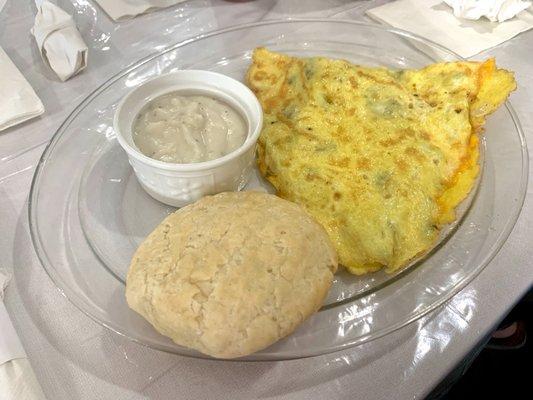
x=75, y=358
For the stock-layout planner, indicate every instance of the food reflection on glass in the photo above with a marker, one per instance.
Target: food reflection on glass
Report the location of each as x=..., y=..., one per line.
x=371, y=162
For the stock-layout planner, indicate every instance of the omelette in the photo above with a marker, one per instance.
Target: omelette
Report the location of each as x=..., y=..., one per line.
x=379, y=157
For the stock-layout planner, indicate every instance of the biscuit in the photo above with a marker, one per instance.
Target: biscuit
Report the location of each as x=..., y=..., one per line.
x=232, y=273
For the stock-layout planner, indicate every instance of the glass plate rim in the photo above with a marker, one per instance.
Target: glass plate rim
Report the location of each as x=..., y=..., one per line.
x=81, y=304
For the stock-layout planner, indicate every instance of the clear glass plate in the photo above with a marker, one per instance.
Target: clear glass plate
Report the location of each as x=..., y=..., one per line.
x=88, y=214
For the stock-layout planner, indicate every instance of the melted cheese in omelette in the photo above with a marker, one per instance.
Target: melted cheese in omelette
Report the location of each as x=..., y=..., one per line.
x=380, y=158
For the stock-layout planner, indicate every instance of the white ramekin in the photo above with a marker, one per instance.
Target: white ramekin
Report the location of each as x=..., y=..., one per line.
x=181, y=184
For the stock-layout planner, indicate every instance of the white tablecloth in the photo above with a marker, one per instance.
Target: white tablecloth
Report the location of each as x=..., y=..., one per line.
x=75, y=358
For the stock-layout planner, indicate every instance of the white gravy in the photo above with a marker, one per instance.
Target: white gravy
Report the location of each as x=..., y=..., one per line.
x=178, y=128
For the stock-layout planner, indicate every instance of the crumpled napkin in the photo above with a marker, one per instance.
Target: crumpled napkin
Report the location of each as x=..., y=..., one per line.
x=434, y=19
x=5, y=277
x=122, y=9
x=493, y=10
x=59, y=40
x=18, y=101
x=17, y=379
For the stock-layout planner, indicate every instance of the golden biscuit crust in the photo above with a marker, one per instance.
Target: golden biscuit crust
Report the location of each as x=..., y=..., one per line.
x=232, y=273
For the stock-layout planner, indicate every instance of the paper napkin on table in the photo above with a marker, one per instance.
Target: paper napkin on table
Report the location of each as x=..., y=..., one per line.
x=434, y=20
x=18, y=101
x=17, y=379
x=121, y=9
x=59, y=40
x=493, y=10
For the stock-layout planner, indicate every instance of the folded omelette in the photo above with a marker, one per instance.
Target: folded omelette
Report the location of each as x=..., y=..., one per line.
x=379, y=157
